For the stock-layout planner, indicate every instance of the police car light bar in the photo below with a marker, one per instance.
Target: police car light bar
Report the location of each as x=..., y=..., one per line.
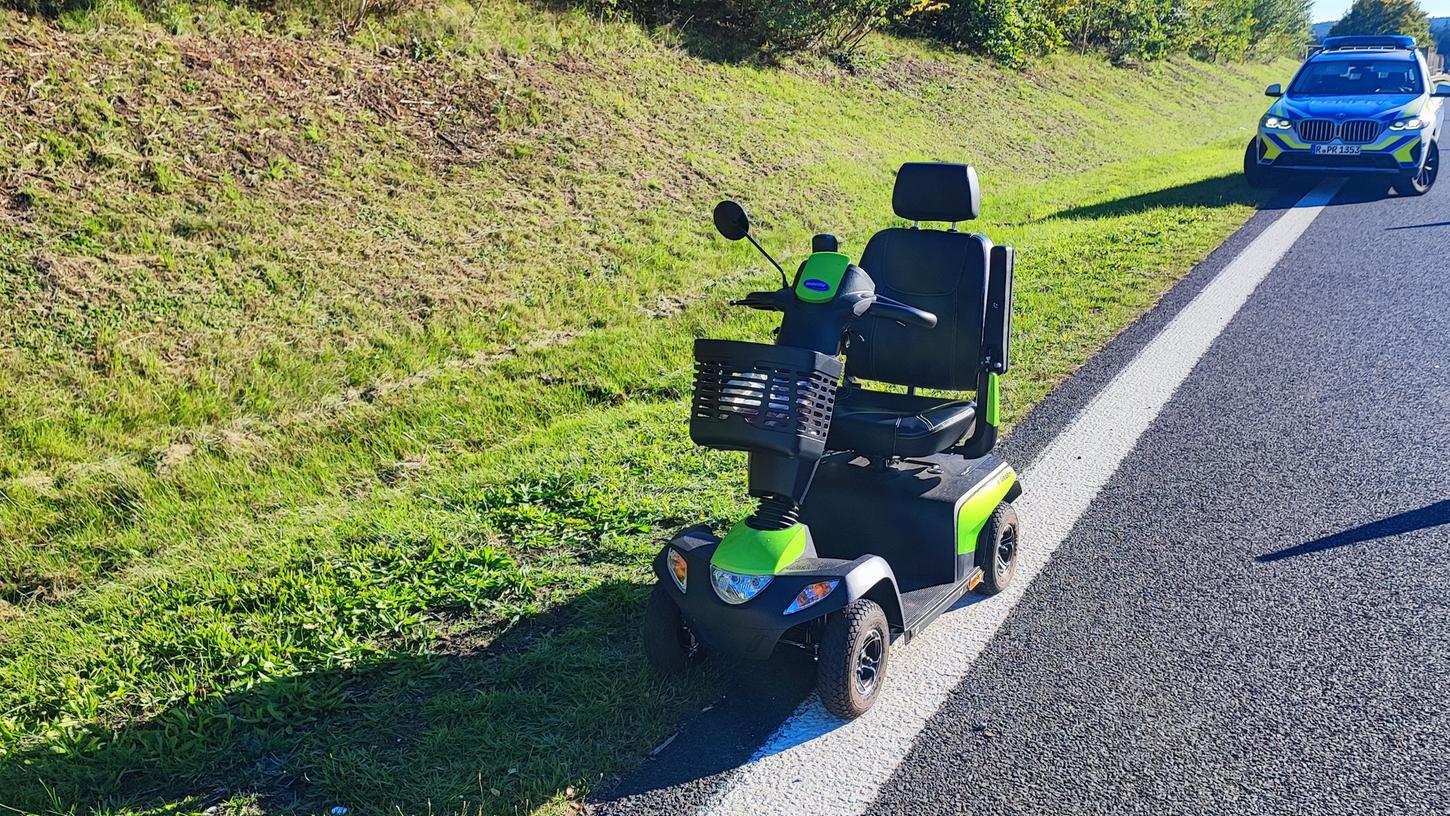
x=1354, y=42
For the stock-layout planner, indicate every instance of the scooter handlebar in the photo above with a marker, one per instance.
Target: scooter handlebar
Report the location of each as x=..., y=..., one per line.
x=888, y=309
x=764, y=301
x=877, y=306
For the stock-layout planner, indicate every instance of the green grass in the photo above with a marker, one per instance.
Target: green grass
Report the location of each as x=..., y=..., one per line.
x=333, y=450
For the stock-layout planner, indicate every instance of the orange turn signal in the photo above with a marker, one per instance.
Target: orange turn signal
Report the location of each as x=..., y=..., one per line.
x=679, y=570
x=811, y=595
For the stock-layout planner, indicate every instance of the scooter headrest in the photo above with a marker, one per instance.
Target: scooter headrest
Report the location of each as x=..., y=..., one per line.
x=936, y=191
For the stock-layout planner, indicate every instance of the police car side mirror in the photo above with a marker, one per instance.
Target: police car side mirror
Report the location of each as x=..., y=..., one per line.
x=1274, y=90
x=1443, y=89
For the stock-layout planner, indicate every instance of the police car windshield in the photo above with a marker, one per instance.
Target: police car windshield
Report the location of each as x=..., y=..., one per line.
x=1357, y=78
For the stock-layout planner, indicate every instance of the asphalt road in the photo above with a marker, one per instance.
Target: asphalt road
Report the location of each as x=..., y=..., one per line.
x=1253, y=616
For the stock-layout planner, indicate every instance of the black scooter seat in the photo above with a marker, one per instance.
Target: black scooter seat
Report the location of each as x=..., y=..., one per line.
x=881, y=423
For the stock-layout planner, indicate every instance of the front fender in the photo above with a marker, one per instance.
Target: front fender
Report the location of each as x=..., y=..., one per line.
x=752, y=629
x=871, y=578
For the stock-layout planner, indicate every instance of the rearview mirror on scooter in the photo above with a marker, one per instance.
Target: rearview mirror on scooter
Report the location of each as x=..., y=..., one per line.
x=734, y=224
x=731, y=220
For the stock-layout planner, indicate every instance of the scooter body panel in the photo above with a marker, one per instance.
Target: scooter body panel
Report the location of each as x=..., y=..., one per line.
x=921, y=514
x=751, y=630
x=907, y=543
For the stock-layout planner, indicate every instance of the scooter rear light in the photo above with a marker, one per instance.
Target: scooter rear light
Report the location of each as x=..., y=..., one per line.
x=679, y=570
x=811, y=595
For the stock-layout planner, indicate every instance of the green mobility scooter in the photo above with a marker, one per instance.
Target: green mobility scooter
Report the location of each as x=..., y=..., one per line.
x=877, y=510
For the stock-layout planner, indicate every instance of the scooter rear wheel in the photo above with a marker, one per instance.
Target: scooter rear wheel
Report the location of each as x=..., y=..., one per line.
x=669, y=644
x=997, y=550
x=851, y=665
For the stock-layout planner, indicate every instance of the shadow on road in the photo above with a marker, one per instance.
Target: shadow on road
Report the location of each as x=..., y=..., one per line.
x=1419, y=226
x=1356, y=190
x=1364, y=189
x=1432, y=515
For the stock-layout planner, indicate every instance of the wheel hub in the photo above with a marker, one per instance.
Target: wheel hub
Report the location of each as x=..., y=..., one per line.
x=1006, y=551
x=1426, y=176
x=868, y=663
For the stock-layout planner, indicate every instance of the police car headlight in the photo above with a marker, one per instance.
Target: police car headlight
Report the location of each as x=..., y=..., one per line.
x=734, y=588
x=1277, y=123
x=1413, y=123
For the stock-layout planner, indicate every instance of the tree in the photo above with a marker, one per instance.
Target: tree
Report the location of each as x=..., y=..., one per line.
x=1385, y=17
x=1281, y=26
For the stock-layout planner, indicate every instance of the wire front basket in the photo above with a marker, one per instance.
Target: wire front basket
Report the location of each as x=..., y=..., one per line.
x=756, y=397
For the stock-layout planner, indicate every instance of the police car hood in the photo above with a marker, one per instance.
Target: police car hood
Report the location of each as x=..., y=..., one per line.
x=1384, y=107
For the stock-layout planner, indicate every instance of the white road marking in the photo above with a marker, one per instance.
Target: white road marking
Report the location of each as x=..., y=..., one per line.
x=816, y=764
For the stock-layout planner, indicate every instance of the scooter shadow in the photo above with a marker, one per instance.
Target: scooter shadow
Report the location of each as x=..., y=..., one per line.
x=758, y=698
x=768, y=708
x=810, y=721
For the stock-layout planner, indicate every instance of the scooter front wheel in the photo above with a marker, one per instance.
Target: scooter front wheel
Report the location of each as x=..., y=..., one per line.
x=851, y=666
x=669, y=644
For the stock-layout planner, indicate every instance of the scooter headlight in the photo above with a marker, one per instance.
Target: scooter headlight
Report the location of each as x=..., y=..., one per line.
x=678, y=569
x=812, y=595
x=1413, y=123
x=734, y=588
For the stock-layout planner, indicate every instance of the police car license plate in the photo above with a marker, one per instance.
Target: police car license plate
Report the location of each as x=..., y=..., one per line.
x=1336, y=150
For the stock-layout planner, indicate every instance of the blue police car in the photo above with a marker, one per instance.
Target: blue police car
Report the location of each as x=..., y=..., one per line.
x=1358, y=105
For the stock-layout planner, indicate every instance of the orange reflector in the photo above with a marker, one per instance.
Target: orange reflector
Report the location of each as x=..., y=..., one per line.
x=976, y=579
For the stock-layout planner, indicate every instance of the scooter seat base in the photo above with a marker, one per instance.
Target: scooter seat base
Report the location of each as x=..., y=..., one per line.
x=886, y=424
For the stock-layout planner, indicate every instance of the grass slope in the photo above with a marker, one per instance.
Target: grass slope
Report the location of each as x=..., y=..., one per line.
x=341, y=398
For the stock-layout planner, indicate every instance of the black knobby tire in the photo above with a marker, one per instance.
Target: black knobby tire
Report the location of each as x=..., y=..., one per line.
x=852, y=635
x=997, y=550
x=668, y=643
x=1257, y=175
x=1423, y=179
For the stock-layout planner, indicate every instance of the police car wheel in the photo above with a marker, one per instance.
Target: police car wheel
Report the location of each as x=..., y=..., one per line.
x=1420, y=182
x=1257, y=175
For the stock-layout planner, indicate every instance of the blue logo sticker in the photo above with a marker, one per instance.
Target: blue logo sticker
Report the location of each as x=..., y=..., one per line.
x=816, y=285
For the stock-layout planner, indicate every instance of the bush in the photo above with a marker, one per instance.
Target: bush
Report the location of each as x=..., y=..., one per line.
x=1017, y=31
x=1280, y=27
x=1131, y=29
x=1013, y=31
x=1215, y=31
x=834, y=27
